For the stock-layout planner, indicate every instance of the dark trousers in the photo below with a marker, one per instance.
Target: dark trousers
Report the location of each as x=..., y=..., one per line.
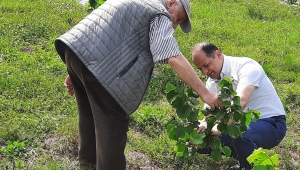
x=266, y=133
x=103, y=124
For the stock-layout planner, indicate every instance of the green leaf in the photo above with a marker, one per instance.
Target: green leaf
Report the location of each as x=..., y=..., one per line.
x=236, y=117
x=178, y=103
x=267, y=162
x=235, y=107
x=263, y=167
x=243, y=128
x=97, y=6
x=225, y=95
x=275, y=159
x=181, y=89
x=186, y=137
x=191, y=93
x=200, y=116
x=222, y=127
x=183, y=112
x=93, y=3
x=197, y=138
x=216, y=154
x=225, y=120
x=220, y=114
x=224, y=83
x=171, y=95
x=226, y=103
x=215, y=143
x=206, y=112
x=180, y=154
x=194, y=101
x=190, y=128
x=210, y=122
x=257, y=157
x=233, y=130
x=193, y=151
x=101, y=1
x=227, y=151
x=236, y=100
x=180, y=131
x=192, y=116
x=186, y=153
x=170, y=126
x=181, y=147
x=261, y=157
x=256, y=113
x=225, y=92
x=181, y=150
x=248, y=119
x=203, y=145
x=170, y=87
x=172, y=134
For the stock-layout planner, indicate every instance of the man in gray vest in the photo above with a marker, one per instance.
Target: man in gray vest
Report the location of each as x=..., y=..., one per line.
x=110, y=56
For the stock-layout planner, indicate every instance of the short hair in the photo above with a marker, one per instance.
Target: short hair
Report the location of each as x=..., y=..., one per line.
x=207, y=47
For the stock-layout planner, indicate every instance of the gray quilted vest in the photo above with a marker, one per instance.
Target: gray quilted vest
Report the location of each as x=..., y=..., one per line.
x=113, y=43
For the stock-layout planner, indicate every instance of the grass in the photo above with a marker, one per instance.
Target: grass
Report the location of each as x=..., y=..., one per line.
x=35, y=108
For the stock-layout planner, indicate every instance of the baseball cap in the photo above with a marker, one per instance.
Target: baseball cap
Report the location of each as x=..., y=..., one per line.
x=186, y=25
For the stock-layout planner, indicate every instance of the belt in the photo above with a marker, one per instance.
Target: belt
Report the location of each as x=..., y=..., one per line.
x=279, y=117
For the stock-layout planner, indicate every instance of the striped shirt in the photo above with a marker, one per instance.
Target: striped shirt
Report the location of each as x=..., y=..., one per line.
x=162, y=43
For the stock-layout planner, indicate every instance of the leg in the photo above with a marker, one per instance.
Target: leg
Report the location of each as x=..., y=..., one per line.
x=87, y=140
x=110, y=122
x=265, y=133
x=111, y=125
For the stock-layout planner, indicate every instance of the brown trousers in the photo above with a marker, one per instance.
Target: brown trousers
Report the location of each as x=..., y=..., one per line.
x=103, y=124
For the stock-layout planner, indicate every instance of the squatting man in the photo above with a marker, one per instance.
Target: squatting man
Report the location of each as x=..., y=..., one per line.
x=256, y=92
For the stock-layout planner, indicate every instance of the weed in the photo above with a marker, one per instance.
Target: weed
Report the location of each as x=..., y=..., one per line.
x=14, y=150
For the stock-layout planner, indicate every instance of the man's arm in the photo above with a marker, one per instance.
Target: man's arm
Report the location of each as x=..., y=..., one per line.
x=249, y=77
x=164, y=48
x=188, y=75
x=245, y=94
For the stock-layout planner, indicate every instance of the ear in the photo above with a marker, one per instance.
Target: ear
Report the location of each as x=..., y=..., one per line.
x=219, y=53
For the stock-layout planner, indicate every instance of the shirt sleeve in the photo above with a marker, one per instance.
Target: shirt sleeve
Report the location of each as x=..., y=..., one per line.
x=162, y=43
x=250, y=74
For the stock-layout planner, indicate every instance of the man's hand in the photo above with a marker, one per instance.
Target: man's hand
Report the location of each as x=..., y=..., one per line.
x=212, y=100
x=215, y=131
x=203, y=125
x=69, y=86
x=186, y=73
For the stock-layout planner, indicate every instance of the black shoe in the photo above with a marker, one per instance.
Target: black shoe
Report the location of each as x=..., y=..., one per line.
x=235, y=167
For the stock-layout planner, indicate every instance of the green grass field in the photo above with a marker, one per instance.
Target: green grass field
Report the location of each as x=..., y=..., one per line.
x=36, y=109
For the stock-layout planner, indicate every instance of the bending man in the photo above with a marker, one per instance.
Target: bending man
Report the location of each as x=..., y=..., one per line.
x=110, y=56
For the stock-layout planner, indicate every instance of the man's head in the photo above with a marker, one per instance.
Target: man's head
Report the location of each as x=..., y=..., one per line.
x=208, y=58
x=180, y=13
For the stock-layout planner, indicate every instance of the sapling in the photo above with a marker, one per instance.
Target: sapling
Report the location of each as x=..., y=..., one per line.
x=184, y=128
